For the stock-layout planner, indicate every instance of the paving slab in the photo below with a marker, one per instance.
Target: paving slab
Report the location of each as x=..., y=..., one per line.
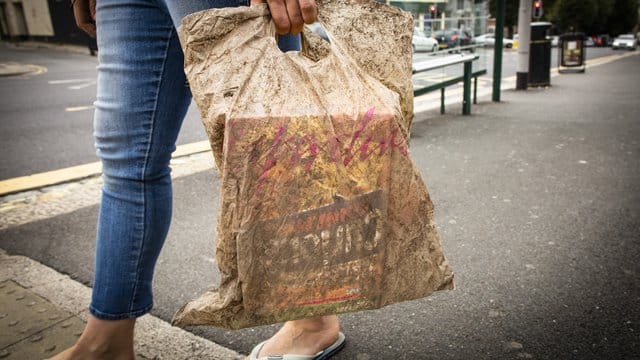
x=28, y=319
x=42, y=312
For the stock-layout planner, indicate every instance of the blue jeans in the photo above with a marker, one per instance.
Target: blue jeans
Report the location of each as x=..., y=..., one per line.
x=141, y=102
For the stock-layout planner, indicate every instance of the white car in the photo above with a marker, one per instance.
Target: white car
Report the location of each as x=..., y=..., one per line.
x=626, y=41
x=490, y=40
x=422, y=42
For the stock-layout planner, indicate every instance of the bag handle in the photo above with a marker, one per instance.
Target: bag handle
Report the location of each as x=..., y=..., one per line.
x=378, y=38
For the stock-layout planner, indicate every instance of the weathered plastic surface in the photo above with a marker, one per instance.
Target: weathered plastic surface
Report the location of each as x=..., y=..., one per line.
x=322, y=209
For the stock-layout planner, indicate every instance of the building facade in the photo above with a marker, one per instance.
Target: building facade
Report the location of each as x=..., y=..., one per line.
x=43, y=20
x=469, y=14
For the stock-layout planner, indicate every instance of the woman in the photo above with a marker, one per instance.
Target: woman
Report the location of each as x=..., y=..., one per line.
x=141, y=102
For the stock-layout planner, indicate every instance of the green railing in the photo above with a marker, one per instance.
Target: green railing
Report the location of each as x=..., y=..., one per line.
x=468, y=74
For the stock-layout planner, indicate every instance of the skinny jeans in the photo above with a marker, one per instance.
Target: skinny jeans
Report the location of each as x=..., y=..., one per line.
x=142, y=99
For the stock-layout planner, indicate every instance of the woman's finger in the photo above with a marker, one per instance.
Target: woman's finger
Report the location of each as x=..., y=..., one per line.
x=84, y=19
x=296, y=22
x=280, y=16
x=289, y=16
x=309, y=11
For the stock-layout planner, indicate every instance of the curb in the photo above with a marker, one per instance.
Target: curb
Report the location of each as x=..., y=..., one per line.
x=154, y=338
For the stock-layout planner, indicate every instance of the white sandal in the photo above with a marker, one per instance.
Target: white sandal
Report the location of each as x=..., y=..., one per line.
x=322, y=355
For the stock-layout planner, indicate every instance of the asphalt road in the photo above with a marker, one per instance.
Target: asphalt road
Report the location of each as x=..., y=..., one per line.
x=47, y=118
x=538, y=206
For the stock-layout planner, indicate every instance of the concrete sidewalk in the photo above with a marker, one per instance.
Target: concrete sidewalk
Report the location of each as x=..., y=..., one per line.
x=537, y=202
x=43, y=312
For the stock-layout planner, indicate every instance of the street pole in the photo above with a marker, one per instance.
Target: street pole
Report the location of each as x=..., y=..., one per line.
x=497, y=51
x=466, y=93
x=524, y=40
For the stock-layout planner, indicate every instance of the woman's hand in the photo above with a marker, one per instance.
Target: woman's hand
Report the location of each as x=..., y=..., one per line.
x=290, y=15
x=85, y=13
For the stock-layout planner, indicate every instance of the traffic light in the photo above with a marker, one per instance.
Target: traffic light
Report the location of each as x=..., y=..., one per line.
x=433, y=11
x=537, y=9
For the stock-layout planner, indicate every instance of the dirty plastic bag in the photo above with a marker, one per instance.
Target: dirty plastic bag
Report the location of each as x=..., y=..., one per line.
x=322, y=210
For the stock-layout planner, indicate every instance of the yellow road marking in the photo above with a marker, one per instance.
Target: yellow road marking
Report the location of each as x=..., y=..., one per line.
x=73, y=173
x=36, y=70
x=193, y=148
x=35, y=181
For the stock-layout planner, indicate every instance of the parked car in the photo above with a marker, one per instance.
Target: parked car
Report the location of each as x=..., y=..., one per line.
x=588, y=41
x=448, y=39
x=422, y=42
x=490, y=40
x=602, y=40
x=555, y=40
x=626, y=41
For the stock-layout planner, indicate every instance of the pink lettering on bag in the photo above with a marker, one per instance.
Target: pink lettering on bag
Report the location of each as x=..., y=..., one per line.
x=303, y=149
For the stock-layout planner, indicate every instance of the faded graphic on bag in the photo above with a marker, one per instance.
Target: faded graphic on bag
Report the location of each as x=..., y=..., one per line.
x=322, y=209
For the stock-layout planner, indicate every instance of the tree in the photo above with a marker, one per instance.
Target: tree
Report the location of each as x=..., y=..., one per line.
x=624, y=16
x=576, y=15
x=549, y=7
x=601, y=22
x=510, y=14
x=592, y=17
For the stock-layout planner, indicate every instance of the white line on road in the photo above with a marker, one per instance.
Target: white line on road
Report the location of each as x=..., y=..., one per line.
x=82, y=86
x=70, y=81
x=82, y=83
x=78, y=108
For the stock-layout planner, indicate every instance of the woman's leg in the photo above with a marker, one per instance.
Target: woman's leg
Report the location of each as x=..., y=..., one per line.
x=141, y=102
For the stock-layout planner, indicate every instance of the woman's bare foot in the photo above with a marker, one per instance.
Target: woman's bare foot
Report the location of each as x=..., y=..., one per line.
x=102, y=339
x=303, y=337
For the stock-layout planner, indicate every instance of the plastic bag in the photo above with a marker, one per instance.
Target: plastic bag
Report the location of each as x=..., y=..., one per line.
x=322, y=209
